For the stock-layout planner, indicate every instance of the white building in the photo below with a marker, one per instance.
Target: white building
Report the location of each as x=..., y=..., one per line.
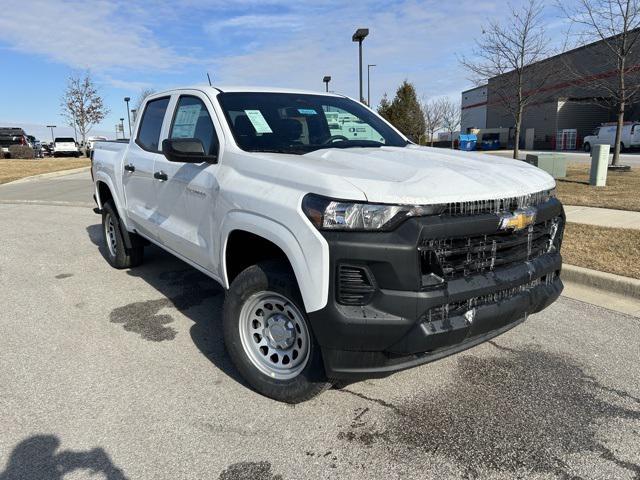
x=473, y=109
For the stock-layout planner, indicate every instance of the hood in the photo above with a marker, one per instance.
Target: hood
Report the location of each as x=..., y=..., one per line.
x=423, y=175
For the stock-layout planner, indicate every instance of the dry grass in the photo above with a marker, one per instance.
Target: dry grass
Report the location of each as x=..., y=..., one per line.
x=612, y=250
x=621, y=193
x=11, y=170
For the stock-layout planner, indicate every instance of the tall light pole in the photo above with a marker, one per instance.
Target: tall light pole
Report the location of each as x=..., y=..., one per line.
x=326, y=81
x=359, y=36
x=369, y=83
x=126, y=99
x=51, y=127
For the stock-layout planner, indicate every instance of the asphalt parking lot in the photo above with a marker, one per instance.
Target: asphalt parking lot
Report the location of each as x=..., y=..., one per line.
x=122, y=374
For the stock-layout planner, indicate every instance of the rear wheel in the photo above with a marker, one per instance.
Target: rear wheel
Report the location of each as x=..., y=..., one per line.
x=268, y=335
x=116, y=252
x=587, y=147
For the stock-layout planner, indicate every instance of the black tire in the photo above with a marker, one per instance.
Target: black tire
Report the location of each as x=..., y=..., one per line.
x=587, y=147
x=117, y=254
x=271, y=276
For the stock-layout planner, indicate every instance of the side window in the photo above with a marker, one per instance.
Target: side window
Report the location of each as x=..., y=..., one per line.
x=192, y=120
x=151, y=124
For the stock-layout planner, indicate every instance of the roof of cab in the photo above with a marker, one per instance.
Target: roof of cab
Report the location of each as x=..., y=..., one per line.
x=235, y=88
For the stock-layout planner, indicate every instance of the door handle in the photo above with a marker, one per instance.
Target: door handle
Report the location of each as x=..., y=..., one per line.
x=160, y=175
x=130, y=168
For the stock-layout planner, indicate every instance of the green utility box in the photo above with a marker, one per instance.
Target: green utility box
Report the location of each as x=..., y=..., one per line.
x=552, y=163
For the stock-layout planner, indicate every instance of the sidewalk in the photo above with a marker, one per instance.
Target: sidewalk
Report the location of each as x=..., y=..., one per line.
x=603, y=217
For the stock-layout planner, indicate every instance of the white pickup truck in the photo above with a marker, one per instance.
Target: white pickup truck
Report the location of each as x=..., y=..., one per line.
x=345, y=250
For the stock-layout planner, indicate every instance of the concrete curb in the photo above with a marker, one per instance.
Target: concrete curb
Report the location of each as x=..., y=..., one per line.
x=608, y=282
x=59, y=173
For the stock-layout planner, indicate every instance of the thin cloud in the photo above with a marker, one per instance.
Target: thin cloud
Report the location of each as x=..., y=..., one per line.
x=83, y=35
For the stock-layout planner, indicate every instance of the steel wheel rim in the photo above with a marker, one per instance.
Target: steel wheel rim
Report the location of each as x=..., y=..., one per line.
x=110, y=234
x=274, y=335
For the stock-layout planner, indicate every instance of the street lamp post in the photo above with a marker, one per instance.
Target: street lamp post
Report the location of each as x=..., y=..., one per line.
x=126, y=99
x=326, y=81
x=359, y=36
x=369, y=83
x=51, y=127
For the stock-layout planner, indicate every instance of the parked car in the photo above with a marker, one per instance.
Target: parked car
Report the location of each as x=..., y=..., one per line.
x=606, y=135
x=36, y=145
x=65, y=147
x=12, y=136
x=47, y=149
x=342, y=257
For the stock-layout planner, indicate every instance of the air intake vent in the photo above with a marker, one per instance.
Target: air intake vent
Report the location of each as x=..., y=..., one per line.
x=355, y=286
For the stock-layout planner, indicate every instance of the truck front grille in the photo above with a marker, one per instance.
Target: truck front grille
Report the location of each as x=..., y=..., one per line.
x=459, y=257
x=497, y=205
x=455, y=309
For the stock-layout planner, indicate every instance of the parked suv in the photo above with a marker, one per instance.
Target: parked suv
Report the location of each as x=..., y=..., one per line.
x=346, y=251
x=65, y=147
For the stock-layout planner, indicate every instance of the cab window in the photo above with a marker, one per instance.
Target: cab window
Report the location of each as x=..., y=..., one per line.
x=151, y=124
x=192, y=120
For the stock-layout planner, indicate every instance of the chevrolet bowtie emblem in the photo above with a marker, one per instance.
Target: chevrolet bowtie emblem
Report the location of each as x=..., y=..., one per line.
x=518, y=220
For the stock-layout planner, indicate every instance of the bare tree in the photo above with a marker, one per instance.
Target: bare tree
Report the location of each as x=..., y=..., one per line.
x=450, y=116
x=433, y=112
x=144, y=93
x=509, y=50
x=616, y=24
x=81, y=104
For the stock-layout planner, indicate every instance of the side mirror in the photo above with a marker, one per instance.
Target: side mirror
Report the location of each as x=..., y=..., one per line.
x=186, y=150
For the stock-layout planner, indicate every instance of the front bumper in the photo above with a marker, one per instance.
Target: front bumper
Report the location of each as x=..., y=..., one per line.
x=396, y=329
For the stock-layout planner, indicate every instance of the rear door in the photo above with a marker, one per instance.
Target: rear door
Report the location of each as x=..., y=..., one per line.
x=138, y=180
x=187, y=198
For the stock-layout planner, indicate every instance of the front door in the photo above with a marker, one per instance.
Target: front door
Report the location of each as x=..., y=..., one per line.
x=138, y=181
x=187, y=199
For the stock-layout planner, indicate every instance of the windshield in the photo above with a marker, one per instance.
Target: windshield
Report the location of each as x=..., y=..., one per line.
x=299, y=123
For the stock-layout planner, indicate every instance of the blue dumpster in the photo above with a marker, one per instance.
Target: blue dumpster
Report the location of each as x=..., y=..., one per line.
x=468, y=142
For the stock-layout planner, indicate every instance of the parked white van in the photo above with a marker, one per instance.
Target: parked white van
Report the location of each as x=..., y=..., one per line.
x=606, y=135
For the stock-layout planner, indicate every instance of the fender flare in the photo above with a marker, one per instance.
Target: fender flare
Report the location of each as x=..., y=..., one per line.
x=310, y=265
x=101, y=177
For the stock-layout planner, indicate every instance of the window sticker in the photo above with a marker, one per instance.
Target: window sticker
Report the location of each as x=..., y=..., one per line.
x=186, y=120
x=258, y=121
x=307, y=111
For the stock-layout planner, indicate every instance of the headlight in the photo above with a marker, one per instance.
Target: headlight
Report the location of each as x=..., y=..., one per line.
x=329, y=214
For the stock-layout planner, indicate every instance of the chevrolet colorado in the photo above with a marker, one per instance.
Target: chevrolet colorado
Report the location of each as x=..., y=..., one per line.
x=345, y=250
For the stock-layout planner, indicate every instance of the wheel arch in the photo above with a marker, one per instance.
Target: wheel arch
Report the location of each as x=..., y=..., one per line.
x=104, y=192
x=310, y=266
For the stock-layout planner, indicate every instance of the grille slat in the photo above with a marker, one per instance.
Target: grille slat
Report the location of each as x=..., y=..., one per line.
x=448, y=310
x=462, y=256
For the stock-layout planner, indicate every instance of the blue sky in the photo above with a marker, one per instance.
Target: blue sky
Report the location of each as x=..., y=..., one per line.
x=131, y=45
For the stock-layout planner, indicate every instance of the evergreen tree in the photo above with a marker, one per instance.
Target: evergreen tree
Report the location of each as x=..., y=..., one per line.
x=384, y=109
x=404, y=112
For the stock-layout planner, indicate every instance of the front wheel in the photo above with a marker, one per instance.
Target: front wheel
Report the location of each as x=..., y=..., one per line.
x=268, y=336
x=587, y=147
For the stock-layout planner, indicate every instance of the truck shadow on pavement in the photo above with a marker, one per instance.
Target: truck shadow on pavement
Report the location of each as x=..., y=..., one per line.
x=183, y=288
x=38, y=458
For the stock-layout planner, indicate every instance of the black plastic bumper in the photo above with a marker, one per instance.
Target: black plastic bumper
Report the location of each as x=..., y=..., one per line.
x=392, y=332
